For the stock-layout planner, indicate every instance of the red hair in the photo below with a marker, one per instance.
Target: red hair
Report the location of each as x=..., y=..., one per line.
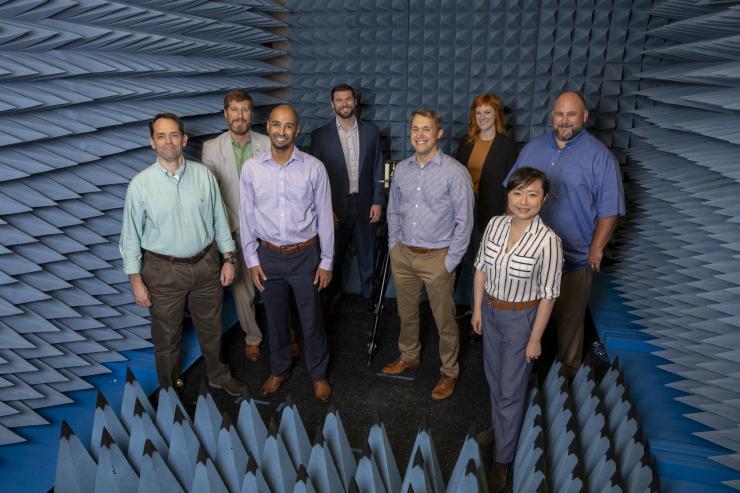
x=494, y=102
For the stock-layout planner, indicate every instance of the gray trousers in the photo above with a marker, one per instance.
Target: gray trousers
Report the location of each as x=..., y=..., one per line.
x=505, y=337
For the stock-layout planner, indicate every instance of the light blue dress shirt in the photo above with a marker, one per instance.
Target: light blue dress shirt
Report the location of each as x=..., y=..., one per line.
x=172, y=214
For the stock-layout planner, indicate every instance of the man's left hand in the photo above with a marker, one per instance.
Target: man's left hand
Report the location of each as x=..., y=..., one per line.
x=228, y=272
x=595, y=254
x=322, y=278
x=375, y=212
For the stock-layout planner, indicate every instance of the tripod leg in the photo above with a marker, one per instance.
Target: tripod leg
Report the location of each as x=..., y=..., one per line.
x=385, y=279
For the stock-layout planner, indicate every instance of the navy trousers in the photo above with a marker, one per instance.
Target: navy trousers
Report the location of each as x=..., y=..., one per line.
x=361, y=233
x=294, y=272
x=505, y=337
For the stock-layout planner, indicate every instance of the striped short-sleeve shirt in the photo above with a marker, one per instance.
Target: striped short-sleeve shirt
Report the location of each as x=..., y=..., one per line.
x=530, y=270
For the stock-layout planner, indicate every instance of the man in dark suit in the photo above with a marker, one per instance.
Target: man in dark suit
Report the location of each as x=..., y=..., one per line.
x=350, y=150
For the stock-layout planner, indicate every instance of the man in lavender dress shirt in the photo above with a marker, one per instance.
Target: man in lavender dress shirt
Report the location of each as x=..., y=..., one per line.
x=430, y=217
x=287, y=235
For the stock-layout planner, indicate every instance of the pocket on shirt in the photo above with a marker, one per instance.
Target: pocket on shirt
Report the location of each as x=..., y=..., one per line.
x=490, y=251
x=201, y=207
x=521, y=267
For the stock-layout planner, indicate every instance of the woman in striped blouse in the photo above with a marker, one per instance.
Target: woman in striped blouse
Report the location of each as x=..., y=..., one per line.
x=519, y=265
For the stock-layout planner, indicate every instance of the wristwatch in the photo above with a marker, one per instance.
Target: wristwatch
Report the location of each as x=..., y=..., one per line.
x=231, y=259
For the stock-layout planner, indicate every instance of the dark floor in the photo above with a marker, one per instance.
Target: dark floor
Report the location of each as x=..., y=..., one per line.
x=359, y=390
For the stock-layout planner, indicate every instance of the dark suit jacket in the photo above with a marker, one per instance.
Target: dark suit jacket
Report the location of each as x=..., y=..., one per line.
x=498, y=163
x=325, y=146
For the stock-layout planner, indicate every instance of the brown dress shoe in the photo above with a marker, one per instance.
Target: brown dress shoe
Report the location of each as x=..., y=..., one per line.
x=295, y=351
x=272, y=385
x=445, y=387
x=497, y=477
x=252, y=352
x=322, y=390
x=400, y=365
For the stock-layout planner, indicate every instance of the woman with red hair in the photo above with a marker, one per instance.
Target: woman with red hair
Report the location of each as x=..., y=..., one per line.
x=489, y=154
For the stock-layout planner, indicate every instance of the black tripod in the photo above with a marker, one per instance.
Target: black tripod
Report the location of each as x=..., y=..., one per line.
x=382, y=261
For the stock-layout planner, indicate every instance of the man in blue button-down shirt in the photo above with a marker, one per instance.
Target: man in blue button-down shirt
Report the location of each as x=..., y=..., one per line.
x=586, y=198
x=173, y=214
x=430, y=217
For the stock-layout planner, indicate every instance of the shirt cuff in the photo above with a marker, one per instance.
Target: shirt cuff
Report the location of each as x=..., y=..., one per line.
x=325, y=264
x=449, y=264
x=227, y=246
x=252, y=260
x=132, y=266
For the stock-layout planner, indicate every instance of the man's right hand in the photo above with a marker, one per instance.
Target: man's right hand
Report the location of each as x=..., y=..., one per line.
x=258, y=276
x=140, y=291
x=336, y=220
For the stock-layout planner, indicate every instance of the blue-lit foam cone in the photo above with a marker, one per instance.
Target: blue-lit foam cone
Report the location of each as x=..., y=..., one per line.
x=75, y=468
x=469, y=451
x=416, y=477
x=470, y=482
x=294, y=434
x=166, y=404
x=321, y=468
x=367, y=477
x=254, y=481
x=425, y=445
x=207, y=420
x=383, y=456
x=562, y=473
x=155, y=475
x=106, y=418
x=302, y=482
x=231, y=456
x=251, y=428
x=142, y=430
x=114, y=473
x=131, y=392
x=276, y=464
x=206, y=478
x=184, y=447
x=336, y=439
x=602, y=476
x=532, y=480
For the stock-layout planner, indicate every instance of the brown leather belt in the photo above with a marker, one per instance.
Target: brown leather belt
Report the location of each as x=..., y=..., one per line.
x=416, y=249
x=189, y=260
x=512, y=305
x=287, y=249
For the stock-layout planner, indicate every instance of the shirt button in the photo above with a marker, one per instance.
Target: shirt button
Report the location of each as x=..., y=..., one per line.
x=418, y=188
x=416, y=205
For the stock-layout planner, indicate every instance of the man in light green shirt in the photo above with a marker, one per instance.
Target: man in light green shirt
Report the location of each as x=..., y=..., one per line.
x=173, y=214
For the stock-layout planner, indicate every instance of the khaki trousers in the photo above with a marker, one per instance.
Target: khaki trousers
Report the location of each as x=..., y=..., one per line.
x=242, y=289
x=568, y=314
x=411, y=272
x=171, y=285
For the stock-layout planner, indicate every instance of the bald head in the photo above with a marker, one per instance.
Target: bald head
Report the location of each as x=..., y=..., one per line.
x=282, y=127
x=569, y=114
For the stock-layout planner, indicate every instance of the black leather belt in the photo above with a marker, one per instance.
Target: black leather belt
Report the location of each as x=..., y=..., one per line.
x=188, y=260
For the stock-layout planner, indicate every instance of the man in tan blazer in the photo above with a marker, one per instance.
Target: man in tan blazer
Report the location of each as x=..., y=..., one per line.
x=225, y=156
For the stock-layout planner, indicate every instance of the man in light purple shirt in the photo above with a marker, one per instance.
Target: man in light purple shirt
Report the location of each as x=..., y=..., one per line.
x=430, y=216
x=287, y=235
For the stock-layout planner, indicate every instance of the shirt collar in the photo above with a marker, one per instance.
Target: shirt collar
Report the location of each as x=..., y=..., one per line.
x=436, y=159
x=178, y=172
x=569, y=143
x=339, y=125
x=533, y=226
x=235, y=143
x=296, y=155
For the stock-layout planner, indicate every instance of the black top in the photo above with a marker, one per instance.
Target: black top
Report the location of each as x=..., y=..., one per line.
x=491, y=193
